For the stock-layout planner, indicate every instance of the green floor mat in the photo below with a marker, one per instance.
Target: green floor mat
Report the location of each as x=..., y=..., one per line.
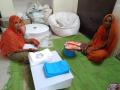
x=87, y=75
x=20, y=77
x=16, y=77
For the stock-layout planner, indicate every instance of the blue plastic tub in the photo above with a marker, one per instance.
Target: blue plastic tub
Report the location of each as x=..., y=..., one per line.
x=68, y=53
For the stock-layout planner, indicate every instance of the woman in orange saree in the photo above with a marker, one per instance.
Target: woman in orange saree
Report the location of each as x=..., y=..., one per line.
x=12, y=40
x=103, y=42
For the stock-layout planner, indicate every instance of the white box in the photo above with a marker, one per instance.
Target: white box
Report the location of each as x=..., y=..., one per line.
x=53, y=83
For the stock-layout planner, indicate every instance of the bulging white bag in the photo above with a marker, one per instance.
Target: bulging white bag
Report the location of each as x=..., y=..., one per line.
x=64, y=23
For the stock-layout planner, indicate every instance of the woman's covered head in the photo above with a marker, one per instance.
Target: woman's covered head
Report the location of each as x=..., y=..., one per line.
x=15, y=22
x=107, y=21
x=111, y=25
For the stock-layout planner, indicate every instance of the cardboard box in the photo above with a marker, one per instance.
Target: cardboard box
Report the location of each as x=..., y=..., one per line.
x=27, y=21
x=53, y=83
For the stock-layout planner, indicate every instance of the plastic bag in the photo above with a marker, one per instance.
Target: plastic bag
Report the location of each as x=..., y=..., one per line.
x=39, y=13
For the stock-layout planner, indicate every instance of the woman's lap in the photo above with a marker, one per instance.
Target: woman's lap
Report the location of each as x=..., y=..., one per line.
x=98, y=55
x=21, y=56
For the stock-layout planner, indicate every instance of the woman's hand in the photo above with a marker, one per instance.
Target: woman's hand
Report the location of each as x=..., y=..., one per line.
x=33, y=41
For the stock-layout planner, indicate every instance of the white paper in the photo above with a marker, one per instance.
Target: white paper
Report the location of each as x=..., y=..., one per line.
x=39, y=57
x=27, y=46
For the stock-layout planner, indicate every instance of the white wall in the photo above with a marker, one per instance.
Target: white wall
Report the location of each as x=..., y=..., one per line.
x=6, y=8
x=10, y=7
x=23, y=5
x=116, y=12
x=49, y=2
x=65, y=5
x=57, y=5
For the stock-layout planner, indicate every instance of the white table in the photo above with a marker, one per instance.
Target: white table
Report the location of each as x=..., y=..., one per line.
x=53, y=83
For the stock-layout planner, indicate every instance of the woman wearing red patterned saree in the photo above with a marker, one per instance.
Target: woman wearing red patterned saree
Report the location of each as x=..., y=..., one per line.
x=13, y=41
x=102, y=44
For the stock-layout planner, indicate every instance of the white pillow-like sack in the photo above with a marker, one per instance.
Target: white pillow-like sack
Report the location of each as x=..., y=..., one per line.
x=64, y=23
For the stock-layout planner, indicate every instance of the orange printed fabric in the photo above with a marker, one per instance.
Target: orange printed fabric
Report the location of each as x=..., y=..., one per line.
x=11, y=39
x=100, y=37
